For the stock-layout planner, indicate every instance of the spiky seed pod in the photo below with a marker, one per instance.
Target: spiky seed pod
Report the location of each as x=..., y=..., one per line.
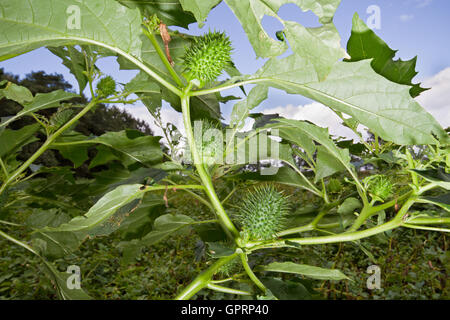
x=263, y=213
x=379, y=186
x=106, y=87
x=207, y=56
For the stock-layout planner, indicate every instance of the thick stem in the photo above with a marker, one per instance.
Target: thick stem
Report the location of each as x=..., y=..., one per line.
x=370, y=210
x=203, y=279
x=225, y=221
x=251, y=274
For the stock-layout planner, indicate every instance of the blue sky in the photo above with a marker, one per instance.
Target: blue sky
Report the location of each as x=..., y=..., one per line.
x=413, y=27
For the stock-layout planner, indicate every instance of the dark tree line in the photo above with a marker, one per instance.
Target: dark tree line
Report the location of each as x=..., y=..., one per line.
x=103, y=119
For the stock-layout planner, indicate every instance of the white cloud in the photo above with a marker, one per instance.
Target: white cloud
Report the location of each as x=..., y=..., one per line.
x=437, y=99
x=423, y=3
x=406, y=17
x=316, y=113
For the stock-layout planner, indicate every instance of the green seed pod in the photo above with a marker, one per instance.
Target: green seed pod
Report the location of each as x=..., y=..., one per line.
x=379, y=187
x=207, y=57
x=106, y=87
x=263, y=213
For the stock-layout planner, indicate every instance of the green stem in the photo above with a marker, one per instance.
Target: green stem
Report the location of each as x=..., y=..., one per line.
x=344, y=237
x=324, y=192
x=308, y=227
x=227, y=86
x=377, y=144
x=366, y=212
x=181, y=187
x=11, y=223
x=136, y=61
x=413, y=226
x=226, y=290
x=371, y=210
x=198, y=197
x=163, y=57
x=411, y=165
x=5, y=171
x=225, y=221
x=46, y=144
x=229, y=195
x=20, y=243
x=251, y=274
x=424, y=220
x=203, y=279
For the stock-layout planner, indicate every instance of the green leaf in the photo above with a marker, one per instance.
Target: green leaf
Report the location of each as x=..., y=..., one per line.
x=28, y=25
x=210, y=232
x=305, y=270
x=250, y=13
x=75, y=61
x=326, y=164
x=17, y=93
x=442, y=201
x=13, y=140
x=168, y=11
x=349, y=206
x=299, y=139
x=323, y=49
x=52, y=245
x=60, y=279
x=103, y=156
x=219, y=250
x=438, y=176
x=140, y=222
x=242, y=108
x=365, y=44
x=200, y=8
x=40, y=102
x=77, y=153
x=129, y=146
x=286, y=290
x=165, y=226
x=285, y=175
x=100, y=220
x=388, y=111
x=147, y=90
x=133, y=144
x=328, y=150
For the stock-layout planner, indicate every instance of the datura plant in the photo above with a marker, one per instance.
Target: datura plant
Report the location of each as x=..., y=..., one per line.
x=283, y=184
